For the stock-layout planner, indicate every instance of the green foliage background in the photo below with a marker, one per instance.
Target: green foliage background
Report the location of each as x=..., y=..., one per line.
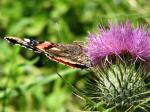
x=28, y=81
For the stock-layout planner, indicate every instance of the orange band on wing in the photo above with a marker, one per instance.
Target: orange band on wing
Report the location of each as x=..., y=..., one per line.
x=72, y=64
x=45, y=45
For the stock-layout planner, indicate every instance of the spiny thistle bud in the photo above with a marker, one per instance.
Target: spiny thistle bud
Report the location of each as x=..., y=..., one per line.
x=121, y=57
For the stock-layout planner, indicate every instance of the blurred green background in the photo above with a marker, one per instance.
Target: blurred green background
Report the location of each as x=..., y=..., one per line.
x=29, y=81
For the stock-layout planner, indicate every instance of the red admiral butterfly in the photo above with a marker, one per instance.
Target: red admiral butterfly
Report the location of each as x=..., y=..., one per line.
x=73, y=55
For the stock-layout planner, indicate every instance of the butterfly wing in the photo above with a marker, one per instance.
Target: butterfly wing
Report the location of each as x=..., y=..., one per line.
x=69, y=54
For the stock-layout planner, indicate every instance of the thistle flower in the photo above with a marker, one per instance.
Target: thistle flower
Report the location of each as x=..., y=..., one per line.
x=121, y=84
x=118, y=40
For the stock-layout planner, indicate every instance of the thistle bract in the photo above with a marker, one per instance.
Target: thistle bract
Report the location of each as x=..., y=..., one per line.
x=120, y=56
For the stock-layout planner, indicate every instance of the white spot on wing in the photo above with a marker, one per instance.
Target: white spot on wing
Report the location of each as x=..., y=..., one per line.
x=27, y=40
x=55, y=49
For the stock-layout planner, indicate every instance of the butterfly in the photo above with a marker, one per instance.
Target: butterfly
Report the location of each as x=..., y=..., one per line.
x=73, y=55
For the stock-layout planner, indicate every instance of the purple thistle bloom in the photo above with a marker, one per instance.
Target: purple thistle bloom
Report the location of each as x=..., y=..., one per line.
x=117, y=40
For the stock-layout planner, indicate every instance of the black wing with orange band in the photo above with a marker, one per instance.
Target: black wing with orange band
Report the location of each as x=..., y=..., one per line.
x=69, y=54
